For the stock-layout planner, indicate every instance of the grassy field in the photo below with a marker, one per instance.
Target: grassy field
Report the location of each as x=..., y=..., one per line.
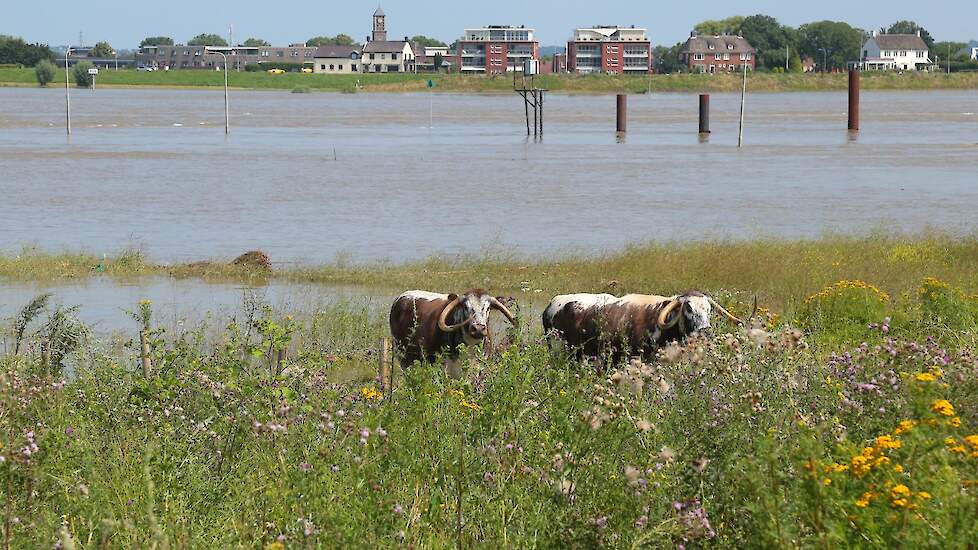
x=846, y=417
x=599, y=84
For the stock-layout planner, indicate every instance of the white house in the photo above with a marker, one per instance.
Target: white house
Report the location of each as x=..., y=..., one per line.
x=974, y=53
x=900, y=52
x=336, y=59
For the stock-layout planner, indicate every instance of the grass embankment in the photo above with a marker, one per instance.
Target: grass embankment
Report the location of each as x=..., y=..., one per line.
x=758, y=439
x=503, y=84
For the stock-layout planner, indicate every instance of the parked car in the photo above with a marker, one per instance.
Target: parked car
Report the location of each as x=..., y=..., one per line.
x=145, y=68
x=276, y=71
x=306, y=70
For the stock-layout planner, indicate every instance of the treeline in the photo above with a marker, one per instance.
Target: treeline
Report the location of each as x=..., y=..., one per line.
x=830, y=44
x=15, y=51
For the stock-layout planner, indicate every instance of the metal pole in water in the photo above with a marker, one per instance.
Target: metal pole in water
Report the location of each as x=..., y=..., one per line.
x=743, y=104
x=67, y=96
x=704, y=113
x=854, y=100
x=622, y=112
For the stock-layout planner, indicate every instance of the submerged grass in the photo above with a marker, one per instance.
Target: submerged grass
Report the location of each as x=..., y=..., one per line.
x=760, y=82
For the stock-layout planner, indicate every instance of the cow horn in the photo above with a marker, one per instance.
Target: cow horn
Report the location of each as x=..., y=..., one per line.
x=444, y=317
x=505, y=311
x=664, y=316
x=724, y=312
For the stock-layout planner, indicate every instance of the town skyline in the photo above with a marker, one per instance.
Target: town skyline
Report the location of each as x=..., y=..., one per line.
x=553, y=27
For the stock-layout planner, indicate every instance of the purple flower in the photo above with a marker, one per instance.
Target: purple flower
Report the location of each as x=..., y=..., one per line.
x=398, y=510
x=305, y=466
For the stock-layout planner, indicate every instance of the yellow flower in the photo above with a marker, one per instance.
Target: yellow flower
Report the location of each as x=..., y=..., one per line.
x=887, y=442
x=146, y=302
x=925, y=377
x=898, y=469
x=943, y=407
x=864, y=500
x=900, y=503
x=826, y=481
x=972, y=440
x=924, y=495
x=904, y=427
x=955, y=422
x=837, y=468
x=468, y=405
x=899, y=491
x=371, y=393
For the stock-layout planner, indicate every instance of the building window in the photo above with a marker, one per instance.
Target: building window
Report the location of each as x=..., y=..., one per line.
x=354, y=68
x=394, y=56
x=332, y=67
x=718, y=56
x=340, y=67
x=903, y=54
x=322, y=67
x=698, y=57
x=726, y=57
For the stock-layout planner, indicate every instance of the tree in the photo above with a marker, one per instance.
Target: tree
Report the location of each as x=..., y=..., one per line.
x=102, y=50
x=339, y=39
x=842, y=43
x=730, y=25
x=15, y=51
x=256, y=43
x=80, y=72
x=156, y=41
x=911, y=27
x=44, y=71
x=207, y=40
x=959, y=51
x=770, y=38
x=428, y=41
x=666, y=60
x=438, y=61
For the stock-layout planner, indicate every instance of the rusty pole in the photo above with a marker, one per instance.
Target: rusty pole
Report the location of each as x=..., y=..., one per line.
x=704, y=113
x=622, y=113
x=854, y=100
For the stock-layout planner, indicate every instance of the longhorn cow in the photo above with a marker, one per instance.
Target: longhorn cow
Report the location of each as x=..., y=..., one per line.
x=425, y=324
x=595, y=324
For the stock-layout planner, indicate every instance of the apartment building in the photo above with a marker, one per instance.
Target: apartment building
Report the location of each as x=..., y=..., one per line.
x=497, y=49
x=609, y=50
x=718, y=53
x=206, y=57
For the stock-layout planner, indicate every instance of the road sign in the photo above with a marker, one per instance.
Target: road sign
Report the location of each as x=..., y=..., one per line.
x=431, y=83
x=93, y=72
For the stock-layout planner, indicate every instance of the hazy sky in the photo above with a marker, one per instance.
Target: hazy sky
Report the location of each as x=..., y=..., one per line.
x=123, y=23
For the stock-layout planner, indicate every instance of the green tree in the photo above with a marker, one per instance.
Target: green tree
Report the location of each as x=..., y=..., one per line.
x=207, y=40
x=428, y=41
x=80, y=73
x=343, y=40
x=770, y=38
x=730, y=25
x=15, y=51
x=156, y=41
x=666, y=60
x=794, y=62
x=44, y=71
x=910, y=27
x=958, y=51
x=340, y=39
x=102, y=50
x=842, y=43
x=256, y=43
x=438, y=61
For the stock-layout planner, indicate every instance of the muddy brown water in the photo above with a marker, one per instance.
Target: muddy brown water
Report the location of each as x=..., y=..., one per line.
x=313, y=178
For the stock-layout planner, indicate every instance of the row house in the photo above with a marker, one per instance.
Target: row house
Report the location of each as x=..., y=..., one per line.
x=206, y=57
x=717, y=53
x=337, y=59
x=609, y=50
x=902, y=52
x=497, y=49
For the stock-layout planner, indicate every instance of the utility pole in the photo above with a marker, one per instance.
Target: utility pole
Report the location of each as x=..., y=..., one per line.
x=67, y=96
x=786, y=56
x=743, y=102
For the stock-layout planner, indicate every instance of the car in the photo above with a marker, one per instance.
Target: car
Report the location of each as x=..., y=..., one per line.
x=276, y=71
x=306, y=70
x=145, y=68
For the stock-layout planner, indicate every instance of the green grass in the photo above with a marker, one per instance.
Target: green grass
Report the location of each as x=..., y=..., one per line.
x=601, y=84
x=752, y=439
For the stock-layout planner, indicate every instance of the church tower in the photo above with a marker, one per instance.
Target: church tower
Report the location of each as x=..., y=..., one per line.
x=380, y=26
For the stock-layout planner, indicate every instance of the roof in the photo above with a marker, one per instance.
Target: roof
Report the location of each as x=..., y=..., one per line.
x=900, y=42
x=701, y=44
x=379, y=12
x=336, y=51
x=384, y=46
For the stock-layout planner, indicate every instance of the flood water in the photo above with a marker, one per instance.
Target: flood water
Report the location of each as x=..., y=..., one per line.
x=315, y=177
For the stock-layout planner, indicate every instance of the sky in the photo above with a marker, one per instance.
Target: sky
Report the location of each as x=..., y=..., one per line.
x=123, y=23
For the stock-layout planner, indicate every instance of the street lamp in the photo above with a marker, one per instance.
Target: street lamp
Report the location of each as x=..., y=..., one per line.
x=67, y=96
x=825, y=58
x=227, y=117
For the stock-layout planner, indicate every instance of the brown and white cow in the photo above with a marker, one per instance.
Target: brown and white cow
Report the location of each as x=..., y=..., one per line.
x=597, y=324
x=425, y=324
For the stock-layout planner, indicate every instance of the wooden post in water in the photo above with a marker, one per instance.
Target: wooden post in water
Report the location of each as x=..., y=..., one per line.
x=147, y=361
x=622, y=113
x=704, y=113
x=853, y=100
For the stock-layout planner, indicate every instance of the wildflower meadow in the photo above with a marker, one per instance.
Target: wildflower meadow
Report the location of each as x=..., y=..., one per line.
x=849, y=421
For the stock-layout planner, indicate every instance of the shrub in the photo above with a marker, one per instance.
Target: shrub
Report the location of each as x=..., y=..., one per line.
x=845, y=307
x=44, y=71
x=80, y=73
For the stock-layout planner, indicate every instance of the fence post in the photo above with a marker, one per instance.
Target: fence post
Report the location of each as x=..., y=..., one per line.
x=145, y=353
x=384, y=369
x=622, y=112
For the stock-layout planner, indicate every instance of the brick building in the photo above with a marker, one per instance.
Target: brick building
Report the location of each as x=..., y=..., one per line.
x=204, y=57
x=609, y=50
x=717, y=53
x=497, y=49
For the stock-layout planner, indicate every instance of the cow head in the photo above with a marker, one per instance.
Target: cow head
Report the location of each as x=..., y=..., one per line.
x=469, y=313
x=691, y=313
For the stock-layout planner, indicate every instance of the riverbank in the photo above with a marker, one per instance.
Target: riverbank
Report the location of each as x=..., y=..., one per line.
x=781, y=273
x=569, y=84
